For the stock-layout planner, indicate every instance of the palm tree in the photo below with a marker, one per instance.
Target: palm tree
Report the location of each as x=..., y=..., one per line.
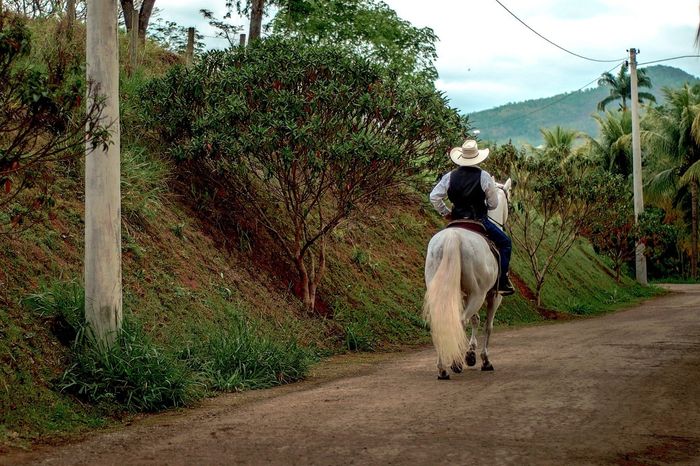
x=674, y=139
x=621, y=87
x=559, y=143
x=613, y=150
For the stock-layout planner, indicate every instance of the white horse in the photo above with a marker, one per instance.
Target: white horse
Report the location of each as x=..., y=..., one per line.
x=460, y=274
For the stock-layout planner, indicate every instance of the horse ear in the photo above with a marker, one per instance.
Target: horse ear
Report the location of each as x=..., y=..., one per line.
x=506, y=185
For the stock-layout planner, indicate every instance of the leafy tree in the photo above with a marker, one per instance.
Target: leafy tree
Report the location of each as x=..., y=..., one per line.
x=674, y=140
x=225, y=30
x=613, y=233
x=368, y=27
x=300, y=138
x=554, y=204
x=621, y=87
x=172, y=36
x=41, y=121
x=41, y=8
x=501, y=160
x=661, y=240
x=613, y=150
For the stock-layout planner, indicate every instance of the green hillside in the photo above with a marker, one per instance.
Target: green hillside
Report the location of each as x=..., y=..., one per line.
x=521, y=121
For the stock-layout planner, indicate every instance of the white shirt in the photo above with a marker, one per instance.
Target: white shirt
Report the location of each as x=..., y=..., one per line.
x=439, y=193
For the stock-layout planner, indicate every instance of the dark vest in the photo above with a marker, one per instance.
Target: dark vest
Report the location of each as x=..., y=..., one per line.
x=465, y=193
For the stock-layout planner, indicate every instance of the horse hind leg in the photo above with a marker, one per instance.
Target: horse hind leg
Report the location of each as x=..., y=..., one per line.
x=471, y=353
x=493, y=301
x=472, y=304
x=442, y=371
x=458, y=366
x=471, y=313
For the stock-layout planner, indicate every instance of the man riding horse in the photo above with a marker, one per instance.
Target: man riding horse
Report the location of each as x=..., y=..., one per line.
x=473, y=193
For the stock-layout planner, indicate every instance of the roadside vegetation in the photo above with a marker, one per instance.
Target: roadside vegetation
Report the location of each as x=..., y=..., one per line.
x=273, y=219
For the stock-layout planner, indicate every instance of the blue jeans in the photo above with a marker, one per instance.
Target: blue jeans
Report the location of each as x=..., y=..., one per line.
x=502, y=242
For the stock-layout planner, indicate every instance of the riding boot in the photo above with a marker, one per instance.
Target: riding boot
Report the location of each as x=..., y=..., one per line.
x=505, y=287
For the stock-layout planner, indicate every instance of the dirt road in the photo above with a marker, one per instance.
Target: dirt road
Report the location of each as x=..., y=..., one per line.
x=619, y=389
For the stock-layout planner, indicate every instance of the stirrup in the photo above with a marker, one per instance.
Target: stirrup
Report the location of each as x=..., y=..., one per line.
x=506, y=289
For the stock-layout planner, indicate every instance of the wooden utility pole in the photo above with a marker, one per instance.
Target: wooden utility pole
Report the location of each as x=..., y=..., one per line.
x=189, y=51
x=640, y=260
x=256, y=16
x=134, y=42
x=103, y=272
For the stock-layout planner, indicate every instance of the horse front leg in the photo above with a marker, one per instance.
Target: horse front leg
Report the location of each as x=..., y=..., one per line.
x=471, y=353
x=493, y=300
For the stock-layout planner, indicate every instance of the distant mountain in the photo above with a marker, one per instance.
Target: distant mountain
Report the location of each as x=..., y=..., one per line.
x=521, y=121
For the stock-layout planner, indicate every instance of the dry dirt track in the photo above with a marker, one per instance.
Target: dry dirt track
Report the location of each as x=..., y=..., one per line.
x=620, y=389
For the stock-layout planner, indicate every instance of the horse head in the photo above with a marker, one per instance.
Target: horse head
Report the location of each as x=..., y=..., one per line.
x=499, y=215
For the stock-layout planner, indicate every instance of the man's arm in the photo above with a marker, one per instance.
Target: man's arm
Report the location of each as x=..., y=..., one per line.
x=439, y=194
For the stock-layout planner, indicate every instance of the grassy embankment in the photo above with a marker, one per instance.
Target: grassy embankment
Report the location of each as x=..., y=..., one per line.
x=205, y=313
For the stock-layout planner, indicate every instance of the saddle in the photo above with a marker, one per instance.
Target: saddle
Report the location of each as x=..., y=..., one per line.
x=471, y=225
x=478, y=227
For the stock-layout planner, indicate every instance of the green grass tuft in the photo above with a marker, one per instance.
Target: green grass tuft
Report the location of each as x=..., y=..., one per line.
x=233, y=358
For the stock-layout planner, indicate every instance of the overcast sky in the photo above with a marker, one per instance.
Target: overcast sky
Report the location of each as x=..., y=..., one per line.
x=486, y=58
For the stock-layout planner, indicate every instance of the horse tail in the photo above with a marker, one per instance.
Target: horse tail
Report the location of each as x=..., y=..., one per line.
x=442, y=307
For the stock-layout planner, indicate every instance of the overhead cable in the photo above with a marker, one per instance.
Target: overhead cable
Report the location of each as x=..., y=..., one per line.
x=554, y=44
x=566, y=96
x=668, y=59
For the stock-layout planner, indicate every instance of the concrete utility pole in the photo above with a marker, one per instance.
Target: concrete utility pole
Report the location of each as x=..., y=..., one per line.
x=640, y=260
x=103, y=271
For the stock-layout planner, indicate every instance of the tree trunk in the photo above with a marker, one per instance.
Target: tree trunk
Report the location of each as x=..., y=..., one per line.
x=303, y=288
x=538, y=292
x=318, y=273
x=256, y=15
x=145, y=18
x=70, y=14
x=694, y=222
x=127, y=6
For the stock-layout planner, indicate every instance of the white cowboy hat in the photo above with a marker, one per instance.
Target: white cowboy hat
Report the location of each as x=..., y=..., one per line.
x=468, y=154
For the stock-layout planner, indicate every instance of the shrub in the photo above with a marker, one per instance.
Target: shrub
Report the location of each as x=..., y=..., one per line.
x=41, y=121
x=299, y=137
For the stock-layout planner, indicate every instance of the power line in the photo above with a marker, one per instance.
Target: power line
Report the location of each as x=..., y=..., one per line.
x=519, y=117
x=554, y=44
x=669, y=59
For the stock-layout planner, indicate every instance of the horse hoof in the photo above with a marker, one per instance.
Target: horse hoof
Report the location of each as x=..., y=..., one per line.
x=471, y=359
x=487, y=367
x=456, y=368
x=443, y=375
